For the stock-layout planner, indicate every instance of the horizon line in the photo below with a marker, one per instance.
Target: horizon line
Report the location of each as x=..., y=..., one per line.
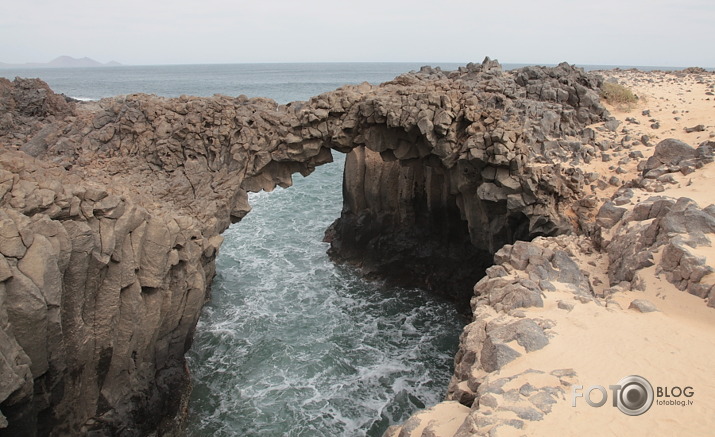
x=46, y=65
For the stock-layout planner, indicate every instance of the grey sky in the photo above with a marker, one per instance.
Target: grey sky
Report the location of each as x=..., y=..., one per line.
x=623, y=32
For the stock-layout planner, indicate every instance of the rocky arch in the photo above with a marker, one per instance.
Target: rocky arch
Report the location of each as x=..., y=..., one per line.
x=109, y=235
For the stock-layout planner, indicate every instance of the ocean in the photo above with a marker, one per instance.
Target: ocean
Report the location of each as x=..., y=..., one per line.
x=290, y=343
x=281, y=82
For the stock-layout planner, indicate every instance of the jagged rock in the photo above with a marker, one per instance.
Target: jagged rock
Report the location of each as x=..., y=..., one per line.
x=609, y=215
x=698, y=128
x=684, y=267
x=676, y=226
x=567, y=377
x=541, y=264
x=27, y=313
x=612, y=124
x=11, y=243
x=667, y=179
x=488, y=343
x=468, y=356
x=669, y=152
x=686, y=217
x=629, y=249
x=496, y=355
x=653, y=207
x=543, y=401
x=623, y=198
x=498, y=408
x=509, y=204
x=705, y=153
x=518, y=294
x=525, y=413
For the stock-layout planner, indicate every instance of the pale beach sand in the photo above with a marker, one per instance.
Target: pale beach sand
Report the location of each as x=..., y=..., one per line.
x=674, y=346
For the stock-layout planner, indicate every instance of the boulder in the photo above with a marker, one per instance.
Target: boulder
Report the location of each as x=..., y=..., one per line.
x=568, y=306
x=519, y=294
x=698, y=128
x=669, y=152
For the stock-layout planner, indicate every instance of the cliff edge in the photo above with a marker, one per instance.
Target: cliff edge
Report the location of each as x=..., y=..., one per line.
x=112, y=213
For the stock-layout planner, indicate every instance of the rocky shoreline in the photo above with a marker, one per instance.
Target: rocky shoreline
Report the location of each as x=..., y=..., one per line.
x=569, y=300
x=112, y=213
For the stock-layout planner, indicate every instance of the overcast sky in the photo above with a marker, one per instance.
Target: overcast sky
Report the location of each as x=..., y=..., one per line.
x=604, y=32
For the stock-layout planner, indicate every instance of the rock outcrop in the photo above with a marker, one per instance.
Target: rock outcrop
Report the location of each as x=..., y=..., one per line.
x=479, y=155
x=100, y=296
x=523, y=275
x=112, y=212
x=107, y=247
x=660, y=233
x=661, y=230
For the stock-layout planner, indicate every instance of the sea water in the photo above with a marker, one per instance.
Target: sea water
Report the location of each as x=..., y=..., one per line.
x=290, y=343
x=281, y=82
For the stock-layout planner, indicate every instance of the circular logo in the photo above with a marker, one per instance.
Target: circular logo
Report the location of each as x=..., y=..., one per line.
x=635, y=396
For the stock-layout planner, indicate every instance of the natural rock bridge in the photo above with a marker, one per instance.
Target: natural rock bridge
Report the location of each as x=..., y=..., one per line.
x=108, y=238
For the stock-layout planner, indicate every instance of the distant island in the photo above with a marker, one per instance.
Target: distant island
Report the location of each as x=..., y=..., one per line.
x=63, y=62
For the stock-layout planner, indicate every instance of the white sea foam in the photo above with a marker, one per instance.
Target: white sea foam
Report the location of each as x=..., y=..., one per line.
x=294, y=345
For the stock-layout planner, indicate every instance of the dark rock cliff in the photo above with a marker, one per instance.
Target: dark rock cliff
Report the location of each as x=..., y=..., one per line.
x=455, y=165
x=401, y=222
x=112, y=213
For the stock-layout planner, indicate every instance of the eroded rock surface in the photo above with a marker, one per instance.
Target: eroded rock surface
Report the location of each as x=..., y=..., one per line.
x=499, y=332
x=477, y=155
x=662, y=230
x=112, y=212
